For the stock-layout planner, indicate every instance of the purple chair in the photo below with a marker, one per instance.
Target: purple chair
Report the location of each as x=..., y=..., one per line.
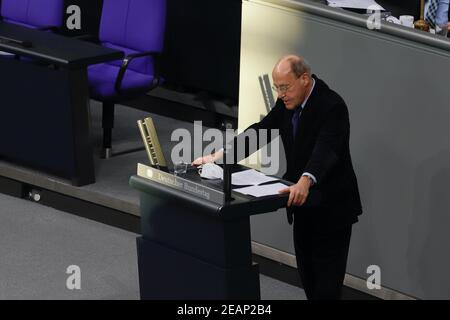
x=135, y=27
x=35, y=14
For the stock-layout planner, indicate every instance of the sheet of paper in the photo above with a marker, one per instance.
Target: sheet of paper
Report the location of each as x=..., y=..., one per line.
x=261, y=191
x=250, y=177
x=355, y=4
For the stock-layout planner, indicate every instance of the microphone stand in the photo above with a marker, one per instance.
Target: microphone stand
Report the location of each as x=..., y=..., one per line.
x=227, y=171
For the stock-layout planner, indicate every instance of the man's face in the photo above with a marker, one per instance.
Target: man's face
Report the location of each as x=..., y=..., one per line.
x=290, y=88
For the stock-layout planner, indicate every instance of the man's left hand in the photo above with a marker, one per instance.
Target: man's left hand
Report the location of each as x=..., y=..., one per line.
x=298, y=193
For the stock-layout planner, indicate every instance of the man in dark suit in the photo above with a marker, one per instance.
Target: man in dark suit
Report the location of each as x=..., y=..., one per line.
x=314, y=127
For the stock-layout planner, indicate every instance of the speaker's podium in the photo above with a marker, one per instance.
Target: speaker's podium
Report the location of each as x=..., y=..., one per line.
x=194, y=244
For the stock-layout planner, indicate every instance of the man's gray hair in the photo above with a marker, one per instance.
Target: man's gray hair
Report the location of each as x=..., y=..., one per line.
x=299, y=66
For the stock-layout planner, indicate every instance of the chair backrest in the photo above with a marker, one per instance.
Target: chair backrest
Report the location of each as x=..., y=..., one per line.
x=134, y=26
x=33, y=13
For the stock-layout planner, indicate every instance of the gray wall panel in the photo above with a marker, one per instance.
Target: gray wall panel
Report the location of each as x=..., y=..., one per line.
x=399, y=102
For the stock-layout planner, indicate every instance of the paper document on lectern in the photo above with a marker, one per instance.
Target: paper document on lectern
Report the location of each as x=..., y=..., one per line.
x=250, y=177
x=262, y=191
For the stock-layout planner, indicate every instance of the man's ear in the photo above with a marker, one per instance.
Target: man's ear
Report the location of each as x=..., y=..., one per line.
x=305, y=80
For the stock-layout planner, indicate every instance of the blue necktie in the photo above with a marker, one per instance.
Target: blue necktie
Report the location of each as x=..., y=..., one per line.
x=294, y=121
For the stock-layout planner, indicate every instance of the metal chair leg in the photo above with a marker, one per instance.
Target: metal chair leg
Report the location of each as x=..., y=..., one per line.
x=108, y=125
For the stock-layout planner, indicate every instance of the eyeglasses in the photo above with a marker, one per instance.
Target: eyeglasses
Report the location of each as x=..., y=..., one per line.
x=282, y=89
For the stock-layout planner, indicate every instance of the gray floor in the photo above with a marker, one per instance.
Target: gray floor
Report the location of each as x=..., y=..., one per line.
x=39, y=243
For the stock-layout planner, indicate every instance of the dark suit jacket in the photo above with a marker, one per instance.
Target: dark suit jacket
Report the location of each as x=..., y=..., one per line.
x=321, y=148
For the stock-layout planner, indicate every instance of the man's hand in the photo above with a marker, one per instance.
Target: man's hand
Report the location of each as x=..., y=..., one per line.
x=298, y=193
x=209, y=158
x=203, y=160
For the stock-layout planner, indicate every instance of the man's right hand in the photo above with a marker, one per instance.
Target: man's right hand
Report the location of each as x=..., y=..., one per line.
x=207, y=159
x=203, y=160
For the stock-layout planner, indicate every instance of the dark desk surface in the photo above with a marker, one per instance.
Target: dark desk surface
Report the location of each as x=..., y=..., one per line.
x=55, y=49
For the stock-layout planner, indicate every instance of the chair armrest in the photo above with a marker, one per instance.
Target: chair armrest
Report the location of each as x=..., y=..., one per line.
x=126, y=61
